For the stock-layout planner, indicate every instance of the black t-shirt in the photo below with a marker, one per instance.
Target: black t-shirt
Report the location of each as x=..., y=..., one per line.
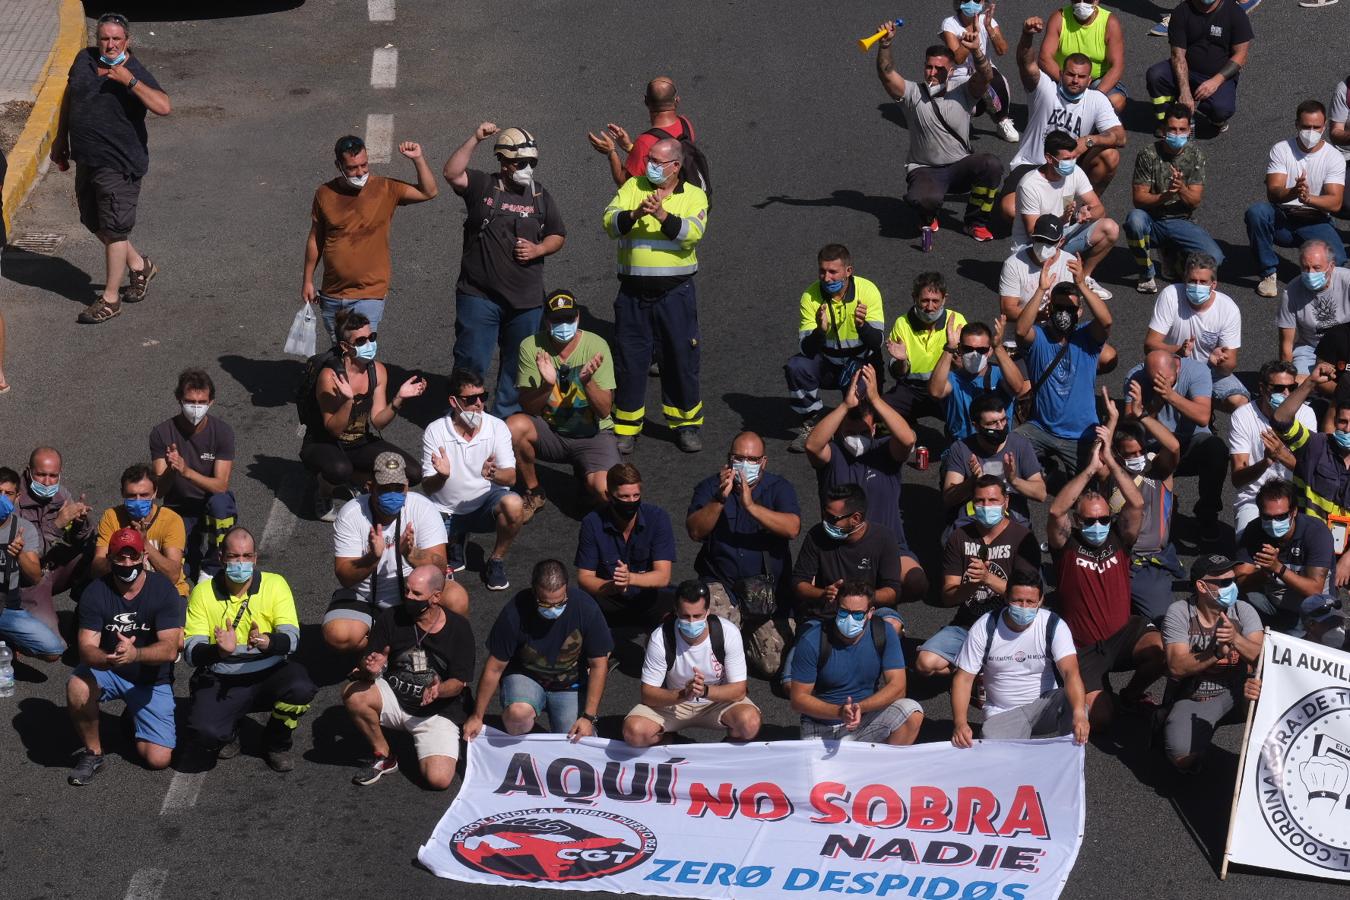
x=450, y=654
x=107, y=122
x=497, y=211
x=1015, y=548
x=158, y=607
x=874, y=559
x=1334, y=347
x=200, y=452
x=551, y=651
x=877, y=471
x=1208, y=37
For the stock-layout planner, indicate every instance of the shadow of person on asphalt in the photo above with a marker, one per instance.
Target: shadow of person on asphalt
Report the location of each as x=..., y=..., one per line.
x=771, y=418
x=50, y=273
x=894, y=218
x=269, y=382
x=285, y=478
x=45, y=730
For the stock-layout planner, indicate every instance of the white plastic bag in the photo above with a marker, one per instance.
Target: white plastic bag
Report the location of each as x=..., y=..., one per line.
x=301, y=339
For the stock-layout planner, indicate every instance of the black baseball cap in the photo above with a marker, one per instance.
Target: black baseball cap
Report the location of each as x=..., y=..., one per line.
x=1048, y=229
x=561, y=306
x=1210, y=565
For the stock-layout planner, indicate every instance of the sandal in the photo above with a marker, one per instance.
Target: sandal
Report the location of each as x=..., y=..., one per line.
x=140, y=282
x=99, y=311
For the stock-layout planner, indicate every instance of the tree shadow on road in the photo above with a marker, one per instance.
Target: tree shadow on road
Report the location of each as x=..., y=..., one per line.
x=49, y=273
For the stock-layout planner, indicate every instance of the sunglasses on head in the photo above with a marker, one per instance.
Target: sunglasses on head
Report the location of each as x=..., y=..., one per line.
x=1096, y=520
x=113, y=19
x=363, y=339
x=983, y=351
x=517, y=164
x=350, y=146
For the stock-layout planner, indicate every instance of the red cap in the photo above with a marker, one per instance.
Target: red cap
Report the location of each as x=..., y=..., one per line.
x=124, y=539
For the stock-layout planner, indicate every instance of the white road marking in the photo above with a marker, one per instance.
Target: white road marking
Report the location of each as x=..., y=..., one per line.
x=379, y=137
x=182, y=794
x=380, y=10
x=147, y=884
x=384, y=67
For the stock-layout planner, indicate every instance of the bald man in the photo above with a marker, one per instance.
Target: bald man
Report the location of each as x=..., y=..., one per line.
x=746, y=519
x=662, y=100
x=412, y=679
x=65, y=527
x=1178, y=392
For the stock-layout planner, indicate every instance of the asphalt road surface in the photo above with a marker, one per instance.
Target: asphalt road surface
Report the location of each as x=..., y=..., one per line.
x=804, y=149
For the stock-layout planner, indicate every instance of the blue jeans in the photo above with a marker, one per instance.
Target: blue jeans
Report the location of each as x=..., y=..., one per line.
x=1269, y=227
x=372, y=308
x=480, y=520
x=562, y=706
x=1182, y=234
x=21, y=629
x=482, y=325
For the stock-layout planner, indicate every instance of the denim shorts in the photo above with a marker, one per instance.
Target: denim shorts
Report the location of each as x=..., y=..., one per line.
x=371, y=307
x=1305, y=357
x=151, y=705
x=24, y=631
x=482, y=520
x=1078, y=237
x=562, y=706
x=1229, y=386
x=947, y=643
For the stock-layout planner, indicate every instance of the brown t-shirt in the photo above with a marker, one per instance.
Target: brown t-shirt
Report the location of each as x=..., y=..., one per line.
x=353, y=233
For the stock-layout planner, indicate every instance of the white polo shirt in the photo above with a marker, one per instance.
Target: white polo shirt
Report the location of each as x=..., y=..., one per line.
x=464, y=490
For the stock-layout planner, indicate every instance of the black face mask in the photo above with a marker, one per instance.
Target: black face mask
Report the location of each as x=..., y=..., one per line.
x=625, y=509
x=993, y=436
x=416, y=608
x=126, y=574
x=1063, y=318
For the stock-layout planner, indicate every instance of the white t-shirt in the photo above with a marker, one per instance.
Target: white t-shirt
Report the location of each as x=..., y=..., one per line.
x=952, y=25
x=1310, y=314
x=351, y=540
x=1038, y=196
x=1021, y=275
x=1340, y=111
x=690, y=656
x=1018, y=670
x=1176, y=320
x=1323, y=166
x=1244, y=436
x=1047, y=111
x=466, y=486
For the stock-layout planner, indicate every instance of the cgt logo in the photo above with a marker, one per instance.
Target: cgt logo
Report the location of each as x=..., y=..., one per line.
x=553, y=844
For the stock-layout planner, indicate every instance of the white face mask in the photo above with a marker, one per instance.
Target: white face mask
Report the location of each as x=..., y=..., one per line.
x=1043, y=250
x=855, y=444
x=523, y=177
x=358, y=181
x=972, y=362
x=1137, y=464
x=194, y=412
x=471, y=419
x=1083, y=11
x=1309, y=137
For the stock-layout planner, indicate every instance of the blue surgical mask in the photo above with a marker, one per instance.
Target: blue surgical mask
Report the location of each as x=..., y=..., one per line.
x=988, y=516
x=691, y=630
x=1177, y=141
x=1315, y=280
x=6, y=507
x=929, y=317
x=833, y=287
x=239, y=572
x=835, y=531
x=1228, y=596
x=1342, y=439
x=1065, y=167
x=656, y=174
x=1067, y=97
x=390, y=502
x=551, y=612
x=562, y=332
x=748, y=471
x=113, y=62
x=44, y=491
x=1095, y=534
x=1277, y=528
x=366, y=351
x=1277, y=400
x=1023, y=616
x=848, y=626
x=971, y=10
x=138, y=509
x=1197, y=294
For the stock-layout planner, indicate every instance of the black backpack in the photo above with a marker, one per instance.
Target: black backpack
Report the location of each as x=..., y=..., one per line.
x=991, y=627
x=826, y=646
x=719, y=645
x=695, y=165
x=306, y=403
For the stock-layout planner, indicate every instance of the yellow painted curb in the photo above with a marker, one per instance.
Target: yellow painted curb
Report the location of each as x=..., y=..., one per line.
x=35, y=141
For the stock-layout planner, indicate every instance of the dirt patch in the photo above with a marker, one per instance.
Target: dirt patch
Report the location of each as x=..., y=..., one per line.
x=13, y=115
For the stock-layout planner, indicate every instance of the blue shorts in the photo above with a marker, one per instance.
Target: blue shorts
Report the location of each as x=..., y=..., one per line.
x=1229, y=386
x=947, y=643
x=1078, y=236
x=1118, y=89
x=26, y=632
x=1305, y=357
x=150, y=704
x=563, y=707
x=482, y=520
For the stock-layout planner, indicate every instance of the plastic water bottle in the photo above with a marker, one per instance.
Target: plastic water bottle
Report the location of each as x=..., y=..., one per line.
x=6, y=671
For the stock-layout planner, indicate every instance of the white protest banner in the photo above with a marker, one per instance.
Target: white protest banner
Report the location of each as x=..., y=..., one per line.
x=1292, y=813
x=1000, y=821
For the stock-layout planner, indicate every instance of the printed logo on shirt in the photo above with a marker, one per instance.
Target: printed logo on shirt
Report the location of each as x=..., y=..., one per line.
x=207, y=456
x=1064, y=120
x=125, y=623
x=1100, y=566
x=1216, y=31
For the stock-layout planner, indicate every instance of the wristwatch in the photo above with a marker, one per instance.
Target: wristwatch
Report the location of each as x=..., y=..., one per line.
x=589, y=718
x=1090, y=143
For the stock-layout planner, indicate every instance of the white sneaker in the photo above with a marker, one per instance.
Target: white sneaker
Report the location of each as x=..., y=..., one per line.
x=1007, y=131
x=1147, y=286
x=1098, y=289
x=1269, y=286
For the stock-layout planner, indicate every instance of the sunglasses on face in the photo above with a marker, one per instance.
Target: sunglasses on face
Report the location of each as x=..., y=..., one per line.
x=1274, y=517
x=983, y=351
x=364, y=339
x=1219, y=582
x=1279, y=388
x=516, y=163
x=835, y=520
x=472, y=399
x=1096, y=520
x=855, y=616
x=743, y=459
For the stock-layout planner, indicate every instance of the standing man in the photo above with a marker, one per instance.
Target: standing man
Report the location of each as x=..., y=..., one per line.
x=938, y=111
x=468, y=468
x=349, y=231
x=511, y=224
x=241, y=627
x=662, y=100
x=130, y=630
x=193, y=458
x=657, y=219
x=102, y=128
x=1305, y=186
x=1168, y=184
x=1210, y=40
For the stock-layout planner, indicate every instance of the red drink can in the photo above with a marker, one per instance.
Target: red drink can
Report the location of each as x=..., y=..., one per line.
x=921, y=459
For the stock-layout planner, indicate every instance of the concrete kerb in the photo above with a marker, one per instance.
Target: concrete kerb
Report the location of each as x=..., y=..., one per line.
x=35, y=141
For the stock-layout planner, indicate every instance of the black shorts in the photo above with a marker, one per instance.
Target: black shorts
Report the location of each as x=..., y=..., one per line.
x=107, y=199
x=1115, y=654
x=1015, y=176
